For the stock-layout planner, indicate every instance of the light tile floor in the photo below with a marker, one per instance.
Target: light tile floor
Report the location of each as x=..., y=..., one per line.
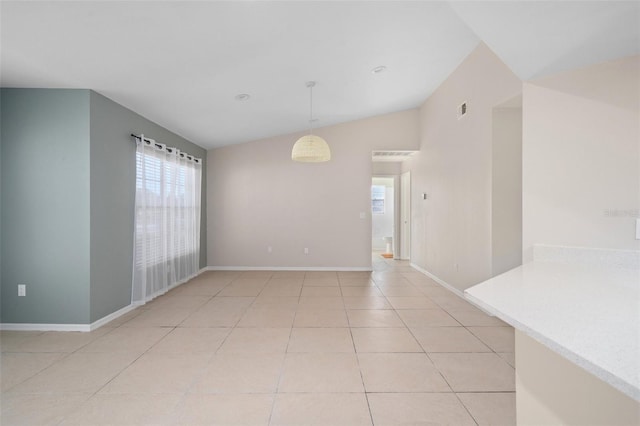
x=272, y=348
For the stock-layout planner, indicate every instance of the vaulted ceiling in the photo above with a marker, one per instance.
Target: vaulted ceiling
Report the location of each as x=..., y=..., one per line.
x=182, y=63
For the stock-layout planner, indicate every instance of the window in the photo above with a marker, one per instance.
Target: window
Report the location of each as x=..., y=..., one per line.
x=164, y=188
x=377, y=199
x=167, y=219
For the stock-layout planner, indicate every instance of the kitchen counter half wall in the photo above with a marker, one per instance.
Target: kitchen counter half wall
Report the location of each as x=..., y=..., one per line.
x=583, y=304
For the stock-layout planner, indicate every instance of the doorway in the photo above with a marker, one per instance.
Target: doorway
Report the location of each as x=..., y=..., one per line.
x=383, y=216
x=389, y=165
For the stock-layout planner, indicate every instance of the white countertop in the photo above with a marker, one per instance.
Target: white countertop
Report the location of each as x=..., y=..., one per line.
x=588, y=314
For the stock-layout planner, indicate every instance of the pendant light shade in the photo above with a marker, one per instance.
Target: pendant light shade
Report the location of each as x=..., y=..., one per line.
x=311, y=148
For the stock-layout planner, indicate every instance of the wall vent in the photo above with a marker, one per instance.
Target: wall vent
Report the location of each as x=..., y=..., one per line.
x=462, y=110
x=391, y=155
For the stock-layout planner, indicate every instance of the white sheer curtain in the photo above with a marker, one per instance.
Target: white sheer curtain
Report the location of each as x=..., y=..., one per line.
x=167, y=219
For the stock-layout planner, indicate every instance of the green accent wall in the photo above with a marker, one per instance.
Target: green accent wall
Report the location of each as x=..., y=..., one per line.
x=45, y=205
x=66, y=208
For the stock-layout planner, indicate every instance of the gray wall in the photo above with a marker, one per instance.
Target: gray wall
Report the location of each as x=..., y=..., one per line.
x=68, y=186
x=112, y=199
x=45, y=205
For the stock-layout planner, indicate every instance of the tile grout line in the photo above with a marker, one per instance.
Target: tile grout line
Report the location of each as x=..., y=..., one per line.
x=284, y=360
x=364, y=386
x=441, y=374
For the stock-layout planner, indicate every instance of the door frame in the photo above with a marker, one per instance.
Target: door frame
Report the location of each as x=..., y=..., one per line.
x=405, y=215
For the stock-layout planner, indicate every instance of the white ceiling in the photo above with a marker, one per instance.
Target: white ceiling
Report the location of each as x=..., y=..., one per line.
x=182, y=63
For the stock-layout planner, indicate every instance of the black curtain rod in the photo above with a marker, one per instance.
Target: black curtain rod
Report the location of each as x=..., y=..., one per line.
x=138, y=137
x=147, y=139
x=196, y=159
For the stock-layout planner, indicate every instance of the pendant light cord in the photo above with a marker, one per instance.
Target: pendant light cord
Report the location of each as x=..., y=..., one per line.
x=310, y=148
x=311, y=108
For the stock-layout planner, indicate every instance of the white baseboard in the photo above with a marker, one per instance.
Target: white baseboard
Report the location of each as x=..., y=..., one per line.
x=45, y=327
x=69, y=327
x=443, y=283
x=85, y=327
x=452, y=289
x=106, y=319
x=291, y=268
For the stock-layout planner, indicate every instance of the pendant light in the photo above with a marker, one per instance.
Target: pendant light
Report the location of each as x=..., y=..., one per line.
x=311, y=148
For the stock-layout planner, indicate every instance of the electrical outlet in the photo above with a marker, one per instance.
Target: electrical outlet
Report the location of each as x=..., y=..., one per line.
x=306, y=250
x=22, y=289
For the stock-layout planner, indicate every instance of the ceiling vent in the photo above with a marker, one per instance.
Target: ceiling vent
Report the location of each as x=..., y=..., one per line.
x=392, y=155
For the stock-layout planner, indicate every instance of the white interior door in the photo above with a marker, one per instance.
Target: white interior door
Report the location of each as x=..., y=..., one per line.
x=405, y=216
